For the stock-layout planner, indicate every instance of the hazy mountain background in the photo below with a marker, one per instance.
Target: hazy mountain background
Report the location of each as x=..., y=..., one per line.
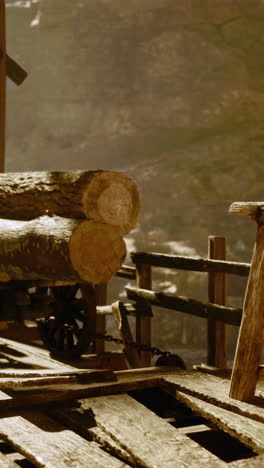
x=171, y=93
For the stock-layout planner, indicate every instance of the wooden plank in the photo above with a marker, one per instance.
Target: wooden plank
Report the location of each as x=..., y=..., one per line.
x=216, y=391
x=216, y=331
x=146, y=437
x=123, y=327
x=143, y=324
x=2, y=85
x=247, y=208
x=125, y=381
x=47, y=443
x=40, y=382
x=29, y=356
x=85, y=425
x=203, y=265
x=250, y=339
x=248, y=431
x=206, y=310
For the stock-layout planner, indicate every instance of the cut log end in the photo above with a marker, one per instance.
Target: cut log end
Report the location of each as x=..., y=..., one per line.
x=97, y=251
x=112, y=198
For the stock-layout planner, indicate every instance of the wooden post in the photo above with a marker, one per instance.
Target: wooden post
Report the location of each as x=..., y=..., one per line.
x=216, y=331
x=250, y=339
x=101, y=299
x=2, y=84
x=143, y=324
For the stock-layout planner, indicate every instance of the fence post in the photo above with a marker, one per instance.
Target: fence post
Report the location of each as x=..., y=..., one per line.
x=143, y=324
x=101, y=299
x=216, y=331
x=2, y=84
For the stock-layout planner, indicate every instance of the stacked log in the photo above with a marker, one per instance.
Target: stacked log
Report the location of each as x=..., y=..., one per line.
x=65, y=226
x=104, y=196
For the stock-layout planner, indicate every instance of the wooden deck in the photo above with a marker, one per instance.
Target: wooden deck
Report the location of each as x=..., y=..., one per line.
x=56, y=415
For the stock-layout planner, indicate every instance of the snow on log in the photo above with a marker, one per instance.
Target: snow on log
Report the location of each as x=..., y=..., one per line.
x=104, y=196
x=60, y=249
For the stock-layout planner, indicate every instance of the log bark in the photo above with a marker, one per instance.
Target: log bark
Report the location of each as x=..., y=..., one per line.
x=56, y=248
x=104, y=196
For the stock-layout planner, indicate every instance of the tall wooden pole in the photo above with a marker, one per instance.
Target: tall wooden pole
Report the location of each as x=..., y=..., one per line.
x=2, y=84
x=216, y=331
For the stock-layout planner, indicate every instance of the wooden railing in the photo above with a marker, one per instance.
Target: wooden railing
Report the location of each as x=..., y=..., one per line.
x=214, y=311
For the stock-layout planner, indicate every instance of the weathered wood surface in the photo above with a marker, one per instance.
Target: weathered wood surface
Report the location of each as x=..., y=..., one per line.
x=122, y=324
x=188, y=263
x=216, y=331
x=40, y=382
x=146, y=437
x=6, y=463
x=251, y=333
x=248, y=431
x=206, y=310
x=2, y=85
x=104, y=196
x=247, y=208
x=216, y=391
x=47, y=443
x=56, y=248
x=27, y=356
x=128, y=380
x=14, y=71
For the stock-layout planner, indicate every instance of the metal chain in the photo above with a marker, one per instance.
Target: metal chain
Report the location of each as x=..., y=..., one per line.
x=130, y=344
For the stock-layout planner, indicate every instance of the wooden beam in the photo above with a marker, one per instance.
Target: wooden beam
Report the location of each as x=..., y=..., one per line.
x=250, y=339
x=46, y=442
x=249, y=432
x=2, y=85
x=214, y=390
x=101, y=300
x=247, y=208
x=190, y=306
x=191, y=264
x=216, y=331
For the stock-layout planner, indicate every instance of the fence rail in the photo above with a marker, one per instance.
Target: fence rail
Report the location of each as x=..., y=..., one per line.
x=190, y=263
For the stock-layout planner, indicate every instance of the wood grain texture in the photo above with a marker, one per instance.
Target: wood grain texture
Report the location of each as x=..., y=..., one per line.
x=248, y=431
x=247, y=208
x=105, y=196
x=206, y=310
x=47, y=443
x=187, y=263
x=146, y=437
x=216, y=331
x=251, y=334
x=6, y=463
x=125, y=381
x=214, y=390
x=84, y=251
x=2, y=85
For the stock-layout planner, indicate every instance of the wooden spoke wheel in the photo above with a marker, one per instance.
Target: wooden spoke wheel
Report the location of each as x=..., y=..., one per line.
x=66, y=330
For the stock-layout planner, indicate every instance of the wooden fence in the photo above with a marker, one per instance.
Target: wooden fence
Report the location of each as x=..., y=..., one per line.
x=217, y=314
